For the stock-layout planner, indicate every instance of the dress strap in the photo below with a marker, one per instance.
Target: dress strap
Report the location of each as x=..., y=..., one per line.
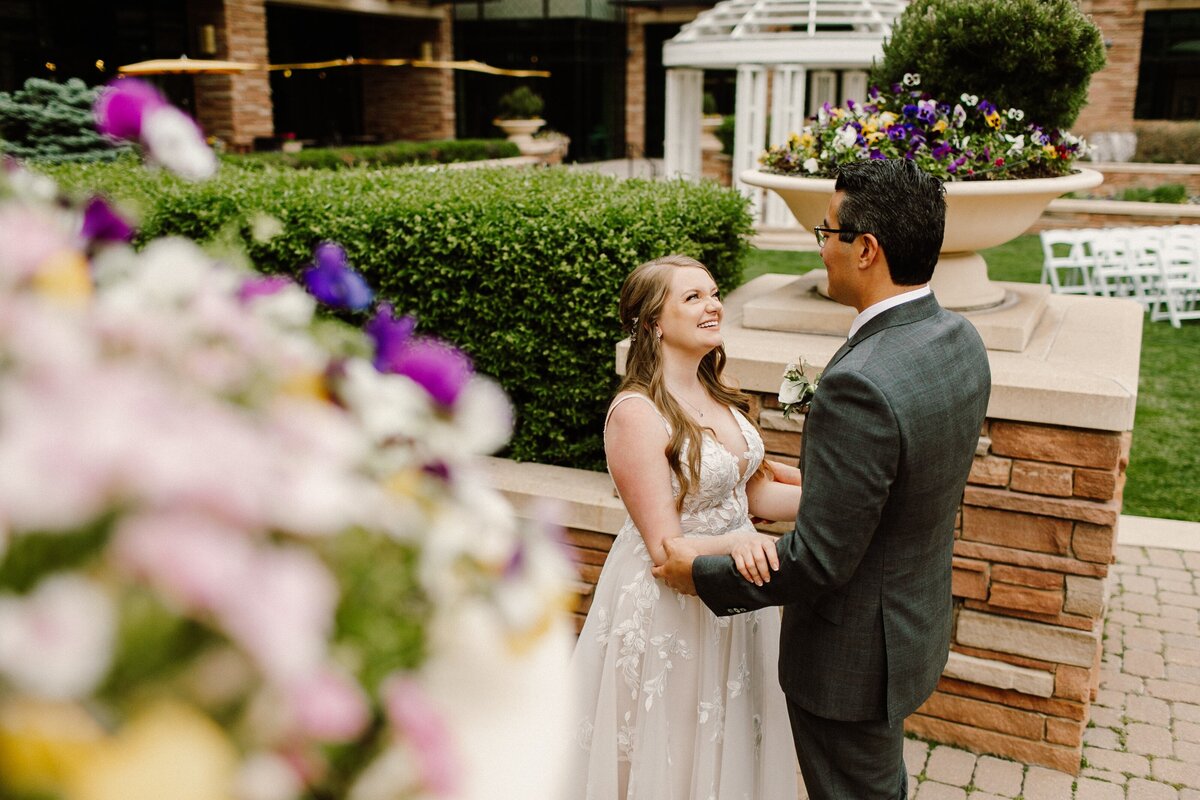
x=621, y=398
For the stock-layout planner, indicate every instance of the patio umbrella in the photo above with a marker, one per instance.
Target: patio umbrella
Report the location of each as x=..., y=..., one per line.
x=188, y=66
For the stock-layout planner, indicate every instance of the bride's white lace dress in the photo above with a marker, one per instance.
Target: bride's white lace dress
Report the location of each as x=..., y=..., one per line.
x=675, y=702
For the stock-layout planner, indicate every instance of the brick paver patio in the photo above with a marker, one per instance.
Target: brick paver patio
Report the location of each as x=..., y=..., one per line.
x=1143, y=740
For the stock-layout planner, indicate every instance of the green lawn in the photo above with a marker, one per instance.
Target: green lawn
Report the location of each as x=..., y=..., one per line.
x=1164, y=468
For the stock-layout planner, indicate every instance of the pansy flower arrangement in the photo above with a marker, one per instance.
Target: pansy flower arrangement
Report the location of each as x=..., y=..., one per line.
x=247, y=552
x=955, y=139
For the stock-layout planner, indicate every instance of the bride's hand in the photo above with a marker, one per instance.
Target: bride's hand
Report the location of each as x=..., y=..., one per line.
x=755, y=556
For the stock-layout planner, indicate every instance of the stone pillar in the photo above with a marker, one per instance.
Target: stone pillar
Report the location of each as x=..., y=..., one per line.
x=237, y=108
x=635, y=83
x=414, y=103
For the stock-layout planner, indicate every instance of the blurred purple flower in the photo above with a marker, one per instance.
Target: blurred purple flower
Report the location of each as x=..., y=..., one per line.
x=331, y=280
x=102, y=223
x=390, y=336
x=986, y=107
x=263, y=286
x=122, y=106
x=440, y=369
x=942, y=150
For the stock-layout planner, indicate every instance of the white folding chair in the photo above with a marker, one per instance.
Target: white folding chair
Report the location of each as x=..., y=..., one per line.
x=1125, y=263
x=1065, y=264
x=1179, y=277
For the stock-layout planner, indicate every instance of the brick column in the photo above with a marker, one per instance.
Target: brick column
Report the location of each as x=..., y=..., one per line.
x=1033, y=546
x=635, y=81
x=408, y=102
x=1036, y=538
x=237, y=108
x=1112, y=90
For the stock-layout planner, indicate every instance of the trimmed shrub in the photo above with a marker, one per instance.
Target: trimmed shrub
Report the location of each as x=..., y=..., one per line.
x=521, y=103
x=446, y=151
x=50, y=123
x=1167, y=193
x=521, y=268
x=725, y=133
x=1167, y=142
x=1034, y=55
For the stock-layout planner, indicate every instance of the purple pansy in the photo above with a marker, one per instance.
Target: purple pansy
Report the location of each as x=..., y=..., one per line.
x=263, y=287
x=101, y=223
x=440, y=369
x=331, y=280
x=390, y=336
x=122, y=106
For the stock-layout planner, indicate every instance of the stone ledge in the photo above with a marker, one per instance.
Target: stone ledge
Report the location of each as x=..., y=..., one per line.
x=1060, y=508
x=584, y=499
x=1025, y=638
x=999, y=675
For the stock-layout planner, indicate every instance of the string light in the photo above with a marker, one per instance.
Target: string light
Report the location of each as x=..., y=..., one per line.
x=50, y=65
x=100, y=64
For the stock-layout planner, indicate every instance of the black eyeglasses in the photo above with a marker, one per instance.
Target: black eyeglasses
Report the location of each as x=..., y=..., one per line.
x=823, y=232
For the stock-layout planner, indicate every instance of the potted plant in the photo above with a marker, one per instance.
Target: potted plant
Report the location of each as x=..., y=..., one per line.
x=1002, y=162
x=520, y=116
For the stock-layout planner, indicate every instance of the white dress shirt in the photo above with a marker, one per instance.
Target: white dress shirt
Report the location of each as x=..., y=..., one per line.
x=870, y=312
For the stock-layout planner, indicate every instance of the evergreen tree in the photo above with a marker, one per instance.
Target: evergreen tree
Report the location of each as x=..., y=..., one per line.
x=50, y=123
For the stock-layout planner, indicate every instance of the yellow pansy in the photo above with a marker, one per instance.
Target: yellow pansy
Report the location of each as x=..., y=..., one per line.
x=993, y=119
x=940, y=126
x=793, y=140
x=875, y=137
x=1050, y=151
x=169, y=750
x=42, y=743
x=64, y=277
x=306, y=384
x=806, y=140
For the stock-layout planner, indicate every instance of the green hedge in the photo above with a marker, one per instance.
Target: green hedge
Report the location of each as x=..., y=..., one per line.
x=1167, y=142
x=521, y=268
x=445, y=151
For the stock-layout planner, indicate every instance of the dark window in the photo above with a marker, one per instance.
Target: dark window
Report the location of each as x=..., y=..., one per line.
x=1169, y=75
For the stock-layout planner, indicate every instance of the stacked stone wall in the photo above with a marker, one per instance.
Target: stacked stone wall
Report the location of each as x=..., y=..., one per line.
x=1033, y=544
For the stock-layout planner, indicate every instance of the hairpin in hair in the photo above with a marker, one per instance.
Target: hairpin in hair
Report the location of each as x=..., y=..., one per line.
x=633, y=329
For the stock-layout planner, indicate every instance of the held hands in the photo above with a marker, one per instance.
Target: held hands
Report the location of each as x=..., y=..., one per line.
x=676, y=571
x=755, y=556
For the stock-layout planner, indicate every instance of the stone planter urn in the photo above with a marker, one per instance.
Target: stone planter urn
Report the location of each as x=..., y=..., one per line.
x=979, y=215
x=709, y=143
x=520, y=131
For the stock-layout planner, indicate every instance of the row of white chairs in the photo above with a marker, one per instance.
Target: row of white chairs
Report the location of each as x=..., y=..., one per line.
x=1158, y=267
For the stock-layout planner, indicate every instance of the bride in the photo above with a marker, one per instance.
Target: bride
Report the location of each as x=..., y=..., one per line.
x=676, y=703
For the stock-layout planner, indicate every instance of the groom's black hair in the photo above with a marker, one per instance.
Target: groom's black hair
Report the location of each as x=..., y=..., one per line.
x=902, y=206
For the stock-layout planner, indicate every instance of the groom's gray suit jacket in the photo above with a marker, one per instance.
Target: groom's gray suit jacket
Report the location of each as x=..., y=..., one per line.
x=865, y=575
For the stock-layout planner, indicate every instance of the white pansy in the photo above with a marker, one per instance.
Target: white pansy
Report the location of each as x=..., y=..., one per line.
x=174, y=141
x=266, y=776
x=969, y=99
x=912, y=79
x=846, y=138
x=290, y=307
x=57, y=642
x=388, y=406
x=1017, y=143
x=811, y=165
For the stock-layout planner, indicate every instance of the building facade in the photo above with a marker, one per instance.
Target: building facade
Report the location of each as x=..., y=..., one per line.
x=607, y=85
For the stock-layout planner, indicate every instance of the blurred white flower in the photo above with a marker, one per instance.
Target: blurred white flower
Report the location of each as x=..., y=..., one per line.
x=266, y=776
x=56, y=642
x=174, y=140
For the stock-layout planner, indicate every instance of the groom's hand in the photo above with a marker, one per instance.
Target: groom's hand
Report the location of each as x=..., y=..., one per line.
x=677, y=570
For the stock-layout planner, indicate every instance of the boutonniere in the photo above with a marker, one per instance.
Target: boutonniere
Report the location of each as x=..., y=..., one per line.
x=798, y=388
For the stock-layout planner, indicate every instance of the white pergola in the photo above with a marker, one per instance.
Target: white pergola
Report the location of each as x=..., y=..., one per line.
x=776, y=47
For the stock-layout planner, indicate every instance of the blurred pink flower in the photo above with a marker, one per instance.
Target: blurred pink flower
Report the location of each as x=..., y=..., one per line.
x=423, y=727
x=329, y=706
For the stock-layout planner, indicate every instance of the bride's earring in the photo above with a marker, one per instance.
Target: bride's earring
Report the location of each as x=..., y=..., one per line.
x=658, y=334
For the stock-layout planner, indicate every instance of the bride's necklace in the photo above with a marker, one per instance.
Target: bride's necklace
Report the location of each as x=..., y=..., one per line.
x=690, y=404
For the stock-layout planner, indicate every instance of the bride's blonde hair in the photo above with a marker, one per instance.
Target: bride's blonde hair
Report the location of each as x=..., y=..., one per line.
x=643, y=296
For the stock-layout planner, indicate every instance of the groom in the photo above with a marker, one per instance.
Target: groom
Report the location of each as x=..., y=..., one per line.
x=888, y=443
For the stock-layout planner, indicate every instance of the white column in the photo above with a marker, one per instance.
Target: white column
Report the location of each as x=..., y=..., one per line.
x=824, y=90
x=685, y=106
x=750, y=128
x=854, y=86
x=787, y=116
